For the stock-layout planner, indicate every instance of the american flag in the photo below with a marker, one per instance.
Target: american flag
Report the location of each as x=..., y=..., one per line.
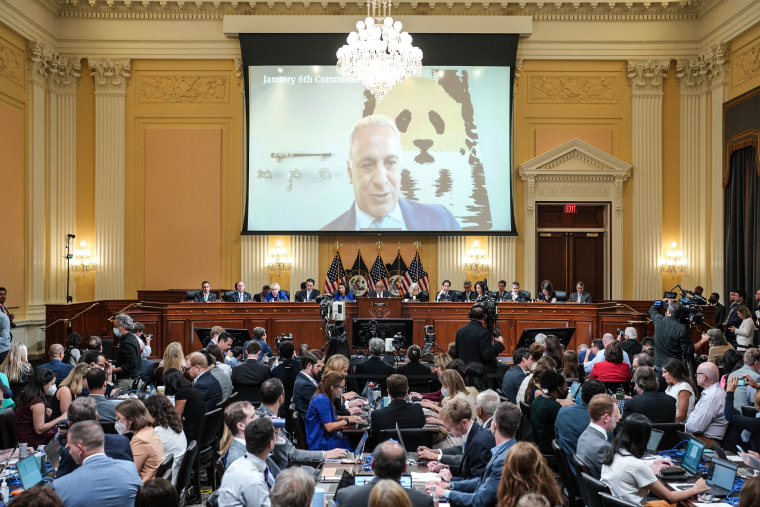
x=335, y=274
x=415, y=273
x=379, y=272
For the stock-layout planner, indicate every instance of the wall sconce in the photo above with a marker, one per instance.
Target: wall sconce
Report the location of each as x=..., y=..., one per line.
x=82, y=262
x=674, y=262
x=476, y=260
x=278, y=259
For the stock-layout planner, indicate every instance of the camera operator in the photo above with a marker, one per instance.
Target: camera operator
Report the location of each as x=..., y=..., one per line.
x=671, y=337
x=473, y=341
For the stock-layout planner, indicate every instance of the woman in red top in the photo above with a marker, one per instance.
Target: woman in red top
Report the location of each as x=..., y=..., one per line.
x=612, y=368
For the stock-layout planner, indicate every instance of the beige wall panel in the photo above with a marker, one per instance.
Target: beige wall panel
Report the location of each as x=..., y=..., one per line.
x=551, y=137
x=182, y=234
x=745, y=70
x=671, y=170
x=85, y=201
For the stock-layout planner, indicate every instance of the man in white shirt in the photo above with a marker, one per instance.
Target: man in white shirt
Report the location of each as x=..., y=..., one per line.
x=707, y=418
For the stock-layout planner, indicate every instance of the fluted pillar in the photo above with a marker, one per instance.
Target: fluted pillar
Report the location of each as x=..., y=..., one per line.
x=253, y=258
x=451, y=250
x=110, y=182
x=62, y=173
x=646, y=81
x=35, y=197
x=501, y=251
x=305, y=252
x=718, y=93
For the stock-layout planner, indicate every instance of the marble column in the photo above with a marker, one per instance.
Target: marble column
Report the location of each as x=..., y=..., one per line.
x=110, y=77
x=646, y=80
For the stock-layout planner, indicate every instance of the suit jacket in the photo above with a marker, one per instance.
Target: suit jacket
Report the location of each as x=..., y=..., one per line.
x=198, y=298
x=414, y=368
x=385, y=294
x=106, y=408
x=570, y=423
x=375, y=366
x=301, y=295
x=281, y=296
x=468, y=296
x=210, y=389
x=116, y=446
x=417, y=216
x=303, y=392
x=285, y=453
x=250, y=373
x=481, y=491
x=477, y=452
x=257, y=298
x=473, y=345
x=58, y=367
x=510, y=384
x=358, y=496
x=407, y=415
x=590, y=450
x=448, y=296
x=657, y=406
x=98, y=473
x=422, y=296
x=233, y=297
x=574, y=297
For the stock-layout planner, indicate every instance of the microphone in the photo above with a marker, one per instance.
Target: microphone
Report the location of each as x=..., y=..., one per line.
x=438, y=297
x=72, y=236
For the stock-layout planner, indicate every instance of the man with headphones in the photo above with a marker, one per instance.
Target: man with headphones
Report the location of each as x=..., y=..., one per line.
x=671, y=337
x=474, y=344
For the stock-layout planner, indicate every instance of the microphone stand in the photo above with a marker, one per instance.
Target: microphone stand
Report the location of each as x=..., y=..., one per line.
x=68, y=257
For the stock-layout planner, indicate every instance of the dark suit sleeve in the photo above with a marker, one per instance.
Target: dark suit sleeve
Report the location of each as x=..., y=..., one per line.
x=488, y=349
x=479, y=453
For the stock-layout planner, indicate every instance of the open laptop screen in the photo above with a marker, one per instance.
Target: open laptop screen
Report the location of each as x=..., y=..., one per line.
x=29, y=471
x=693, y=455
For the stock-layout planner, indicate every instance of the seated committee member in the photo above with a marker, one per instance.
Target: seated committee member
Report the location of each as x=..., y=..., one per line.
x=100, y=479
x=546, y=293
x=309, y=293
x=321, y=421
x=205, y=295
x=275, y=294
x=416, y=294
x=445, y=294
x=259, y=298
x=239, y=295
x=579, y=296
x=343, y=294
x=467, y=293
x=380, y=291
x=515, y=296
x=374, y=170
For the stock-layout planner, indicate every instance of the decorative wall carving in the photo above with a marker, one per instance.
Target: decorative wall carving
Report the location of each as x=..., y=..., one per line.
x=110, y=75
x=747, y=64
x=11, y=63
x=183, y=88
x=646, y=75
x=573, y=89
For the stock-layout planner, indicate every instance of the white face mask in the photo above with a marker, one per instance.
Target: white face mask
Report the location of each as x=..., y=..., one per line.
x=50, y=391
x=120, y=428
x=445, y=391
x=116, y=331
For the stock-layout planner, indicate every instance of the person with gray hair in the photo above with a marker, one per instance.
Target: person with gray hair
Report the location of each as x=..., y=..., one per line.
x=293, y=488
x=745, y=395
x=657, y=406
x=629, y=340
x=374, y=169
x=94, y=479
x=707, y=419
x=375, y=368
x=130, y=354
x=718, y=346
x=486, y=404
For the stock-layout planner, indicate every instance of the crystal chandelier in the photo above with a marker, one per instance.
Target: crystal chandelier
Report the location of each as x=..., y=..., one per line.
x=674, y=262
x=476, y=260
x=379, y=54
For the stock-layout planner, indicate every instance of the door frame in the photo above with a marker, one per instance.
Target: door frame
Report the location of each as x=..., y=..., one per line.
x=576, y=172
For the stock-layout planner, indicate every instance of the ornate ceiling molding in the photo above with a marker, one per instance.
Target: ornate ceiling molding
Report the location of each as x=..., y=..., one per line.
x=665, y=10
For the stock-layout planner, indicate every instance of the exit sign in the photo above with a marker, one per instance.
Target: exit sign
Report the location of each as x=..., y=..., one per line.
x=571, y=208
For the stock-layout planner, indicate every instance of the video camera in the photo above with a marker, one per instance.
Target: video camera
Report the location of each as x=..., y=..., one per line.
x=488, y=302
x=690, y=314
x=279, y=339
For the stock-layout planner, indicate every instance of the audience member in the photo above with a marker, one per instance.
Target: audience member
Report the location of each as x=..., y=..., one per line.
x=523, y=362
x=55, y=363
x=571, y=370
x=599, y=356
x=526, y=471
x=237, y=415
x=456, y=417
x=595, y=439
x=554, y=348
x=707, y=420
x=659, y=407
x=533, y=500
x=750, y=494
x=157, y=492
x=572, y=420
x=531, y=385
x=452, y=387
x=71, y=352
x=251, y=374
x=188, y=401
x=293, y=488
x=147, y=449
x=340, y=363
x=321, y=422
x=217, y=354
x=38, y=496
x=671, y=338
x=287, y=371
x=129, y=358
x=750, y=369
x=388, y=493
x=17, y=368
x=306, y=383
x=375, y=368
x=414, y=368
x=718, y=346
x=224, y=380
x=611, y=368
x=168, y=426
x=486, y=404
x=629, y=341
x=99, y=479
x=745, y=332
x=680, y=387
x=629, y=477
x=544, y=409
x=68, y=390
x=96, y=382
x=32, y=423
x=204, y=381
x=742, y=431
x=399, y=411
x=174, y=357
x=474, y=342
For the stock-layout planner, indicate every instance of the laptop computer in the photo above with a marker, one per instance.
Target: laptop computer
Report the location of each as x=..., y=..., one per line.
x=361, y=480
x=29, y=471
x=723, y=476
x=354, y=457
x=690, y=463
x=53, y=452
x=654, y=441
x=574, y=388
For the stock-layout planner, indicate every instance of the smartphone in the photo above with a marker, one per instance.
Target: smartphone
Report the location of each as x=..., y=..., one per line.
x=740, y=450
x=742, y=382
x=657, y=303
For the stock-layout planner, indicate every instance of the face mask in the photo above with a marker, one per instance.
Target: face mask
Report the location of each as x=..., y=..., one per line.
x=120, y=427
x=50, y=391
x=445, y=391
x=116, y=332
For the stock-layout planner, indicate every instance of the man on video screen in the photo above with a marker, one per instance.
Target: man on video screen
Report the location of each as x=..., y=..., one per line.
x=374, y=170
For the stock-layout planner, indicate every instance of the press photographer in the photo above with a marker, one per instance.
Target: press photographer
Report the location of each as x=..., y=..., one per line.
x=473, y=341
x=671, y=335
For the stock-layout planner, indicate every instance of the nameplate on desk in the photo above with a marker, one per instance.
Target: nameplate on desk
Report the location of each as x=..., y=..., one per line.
x=379, y=304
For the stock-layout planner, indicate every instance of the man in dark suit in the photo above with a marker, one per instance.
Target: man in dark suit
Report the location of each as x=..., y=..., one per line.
x=129, y=358
x=374, y=170
x=515, y=296
x=467, y=294
x=309, y=293
x=96, y=384
x=579, y=296
x=305, y=384
x=658, y=407
x=197, y=369
x=259, y=298
x=445, y=294
x=456, y=417
x=573, y=419
x=380, y=291
x=205, y=295
x=389, y=463
x=251, y=373
x=116, y=446
x=720, y=310
x=375, y=365
x=482, y=491
x=239, y=295
x=287, y=371
x=595, y=440
x=473, y=341
x=510, y=384
x=407, y=415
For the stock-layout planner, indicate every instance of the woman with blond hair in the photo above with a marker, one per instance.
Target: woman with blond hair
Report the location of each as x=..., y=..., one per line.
x=17, y=368
x=147, y=449
x=69, y=389
x=452, y=387
x=174, y=357
x=388, y=493
x=340, y=363
x=526, y=471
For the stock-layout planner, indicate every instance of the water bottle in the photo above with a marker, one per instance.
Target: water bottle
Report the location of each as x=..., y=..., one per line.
x=4, y=491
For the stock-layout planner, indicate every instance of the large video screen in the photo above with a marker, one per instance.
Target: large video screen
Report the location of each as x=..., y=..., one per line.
x=433, y=156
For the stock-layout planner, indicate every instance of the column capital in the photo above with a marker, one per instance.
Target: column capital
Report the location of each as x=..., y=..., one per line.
x=717, y=56
x=698, y=73
x=66, y=74
x=42, y=60
x=646, y=75
x=110, y=75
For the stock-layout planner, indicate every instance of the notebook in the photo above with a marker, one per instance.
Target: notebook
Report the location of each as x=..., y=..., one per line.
x=29, y=471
